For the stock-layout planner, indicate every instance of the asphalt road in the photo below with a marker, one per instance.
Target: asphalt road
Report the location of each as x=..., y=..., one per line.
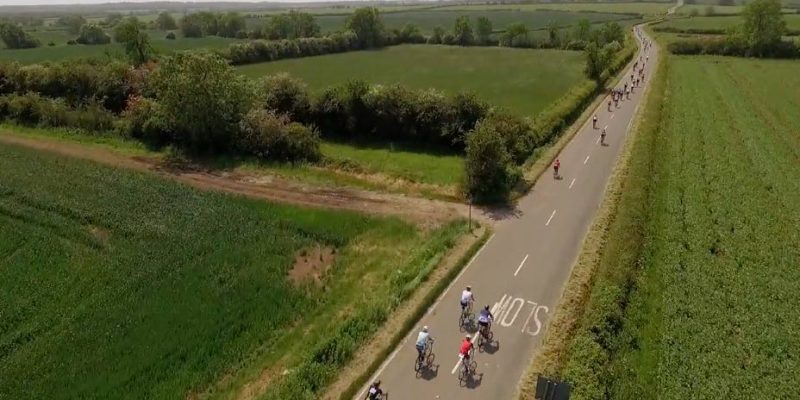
x=520, y=272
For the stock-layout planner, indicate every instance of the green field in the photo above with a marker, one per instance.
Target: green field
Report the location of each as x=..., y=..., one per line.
x=62, y=51
x=410, y=165
x=627, y=8
x=721, y=23
x=521, y=80
x=713, y=314
x=426, y=20
x=118, y=284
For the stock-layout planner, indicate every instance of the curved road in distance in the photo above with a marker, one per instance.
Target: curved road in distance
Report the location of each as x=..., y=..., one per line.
x=520, y=272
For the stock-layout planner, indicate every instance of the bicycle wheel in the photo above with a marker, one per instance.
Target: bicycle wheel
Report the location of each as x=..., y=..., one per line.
x=417, y=365
x=429, y=360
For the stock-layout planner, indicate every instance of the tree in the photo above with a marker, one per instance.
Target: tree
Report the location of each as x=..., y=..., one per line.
x=73, y=23
x=192, y=26
x=552, y=34
x=113, y=19
x=285, y=95
x=484, y=30
x=132, y=35
x=292, y=25
x=230, y=24
x=489, y=174
x=764, y=25
x=726, y=2
x=462, y=31
x=709, y=11
x=165, y=22
x=367, y=24
x=436, y=35
x=583, y=30
x=611, y=32
x=204, y=99
x=514, y=34
x=16, y=38
x=594, y=62
x=92, y=34
x=410, y=34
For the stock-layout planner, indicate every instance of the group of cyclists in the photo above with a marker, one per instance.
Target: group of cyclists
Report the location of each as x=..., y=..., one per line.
x=485, y=316
x=424, y=339
x=618, y=94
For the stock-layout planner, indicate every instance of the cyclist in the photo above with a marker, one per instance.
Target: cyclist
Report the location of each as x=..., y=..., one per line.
x=609, y=105
x=466, y=298
x=422, y=341
x=375, y=392
x=556, y=165
x=486, y=317
x=603, y=136
x=594, y=121
x=466, y=348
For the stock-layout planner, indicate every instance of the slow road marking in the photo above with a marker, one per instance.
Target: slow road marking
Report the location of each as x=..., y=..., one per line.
x=572, y=183
x=586, y=160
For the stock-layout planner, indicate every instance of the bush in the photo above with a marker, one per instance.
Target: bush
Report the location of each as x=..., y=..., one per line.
x=170, y=36
x=34, y=110
x=272, y=50
x=489, y=173
x=144, y=120
x=91, y=34
x=284, y=94
x=516, y=133
x=273, y=137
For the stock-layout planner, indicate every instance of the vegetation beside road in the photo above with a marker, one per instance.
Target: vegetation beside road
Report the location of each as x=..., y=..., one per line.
x=128, y=261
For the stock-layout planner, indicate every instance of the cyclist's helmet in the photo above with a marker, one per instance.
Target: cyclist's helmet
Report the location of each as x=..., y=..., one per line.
x=486, y=308
x=469, y=288
x=467, y=336
x=376, y=383
x=424, y=328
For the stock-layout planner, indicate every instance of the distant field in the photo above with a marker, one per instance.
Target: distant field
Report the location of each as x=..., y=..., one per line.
x=426, y=20
x=722, y=23
x=62, y=51
x=118, y=284
x=634, y=7
x=714, y=313
x=521, y=80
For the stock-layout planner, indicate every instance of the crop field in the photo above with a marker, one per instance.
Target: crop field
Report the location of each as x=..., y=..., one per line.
x=620, y=8
x=426, y=20
x=118, y=284
x=62, y=51
x=715, y=312
x=721, y=23
x=522, y=80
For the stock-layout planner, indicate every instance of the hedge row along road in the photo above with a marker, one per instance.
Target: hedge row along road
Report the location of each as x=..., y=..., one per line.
x=520, y=272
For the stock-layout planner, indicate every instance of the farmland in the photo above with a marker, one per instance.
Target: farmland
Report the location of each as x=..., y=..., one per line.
x=521, y=80
x=428, y=19
x=720, y=23
x=118, y=284
x=618, y=8
x=713, y=314
x=62, y=51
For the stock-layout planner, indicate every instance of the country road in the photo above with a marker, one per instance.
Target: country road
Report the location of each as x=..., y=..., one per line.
x=520, y=272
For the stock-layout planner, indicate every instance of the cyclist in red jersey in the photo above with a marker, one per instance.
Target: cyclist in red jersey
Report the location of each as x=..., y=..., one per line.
x=556, y=166
x=466, y=347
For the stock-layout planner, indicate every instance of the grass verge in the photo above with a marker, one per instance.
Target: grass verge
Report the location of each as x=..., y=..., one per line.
x=596, y=274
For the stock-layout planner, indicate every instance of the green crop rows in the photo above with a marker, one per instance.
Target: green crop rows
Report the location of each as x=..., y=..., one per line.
x=117, y=284
x=715, y=315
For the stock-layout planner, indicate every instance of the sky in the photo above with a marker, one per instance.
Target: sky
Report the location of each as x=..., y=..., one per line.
x=62, y=2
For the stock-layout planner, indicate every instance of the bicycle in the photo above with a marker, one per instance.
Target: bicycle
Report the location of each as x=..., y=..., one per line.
x=425, y=359
x=468, y=366
x=485, y=335
x=466, y=317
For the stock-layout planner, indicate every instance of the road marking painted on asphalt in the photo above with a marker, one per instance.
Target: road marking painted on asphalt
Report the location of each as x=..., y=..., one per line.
x=510, y=308
x=572, y=183
x=612, y=116
x=586, y=160
x=551, y=218
x=474, y=338
x=521, y=264
x=412, y=333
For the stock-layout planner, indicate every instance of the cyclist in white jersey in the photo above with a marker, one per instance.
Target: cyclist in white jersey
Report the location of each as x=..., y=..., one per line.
x=466, y=298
